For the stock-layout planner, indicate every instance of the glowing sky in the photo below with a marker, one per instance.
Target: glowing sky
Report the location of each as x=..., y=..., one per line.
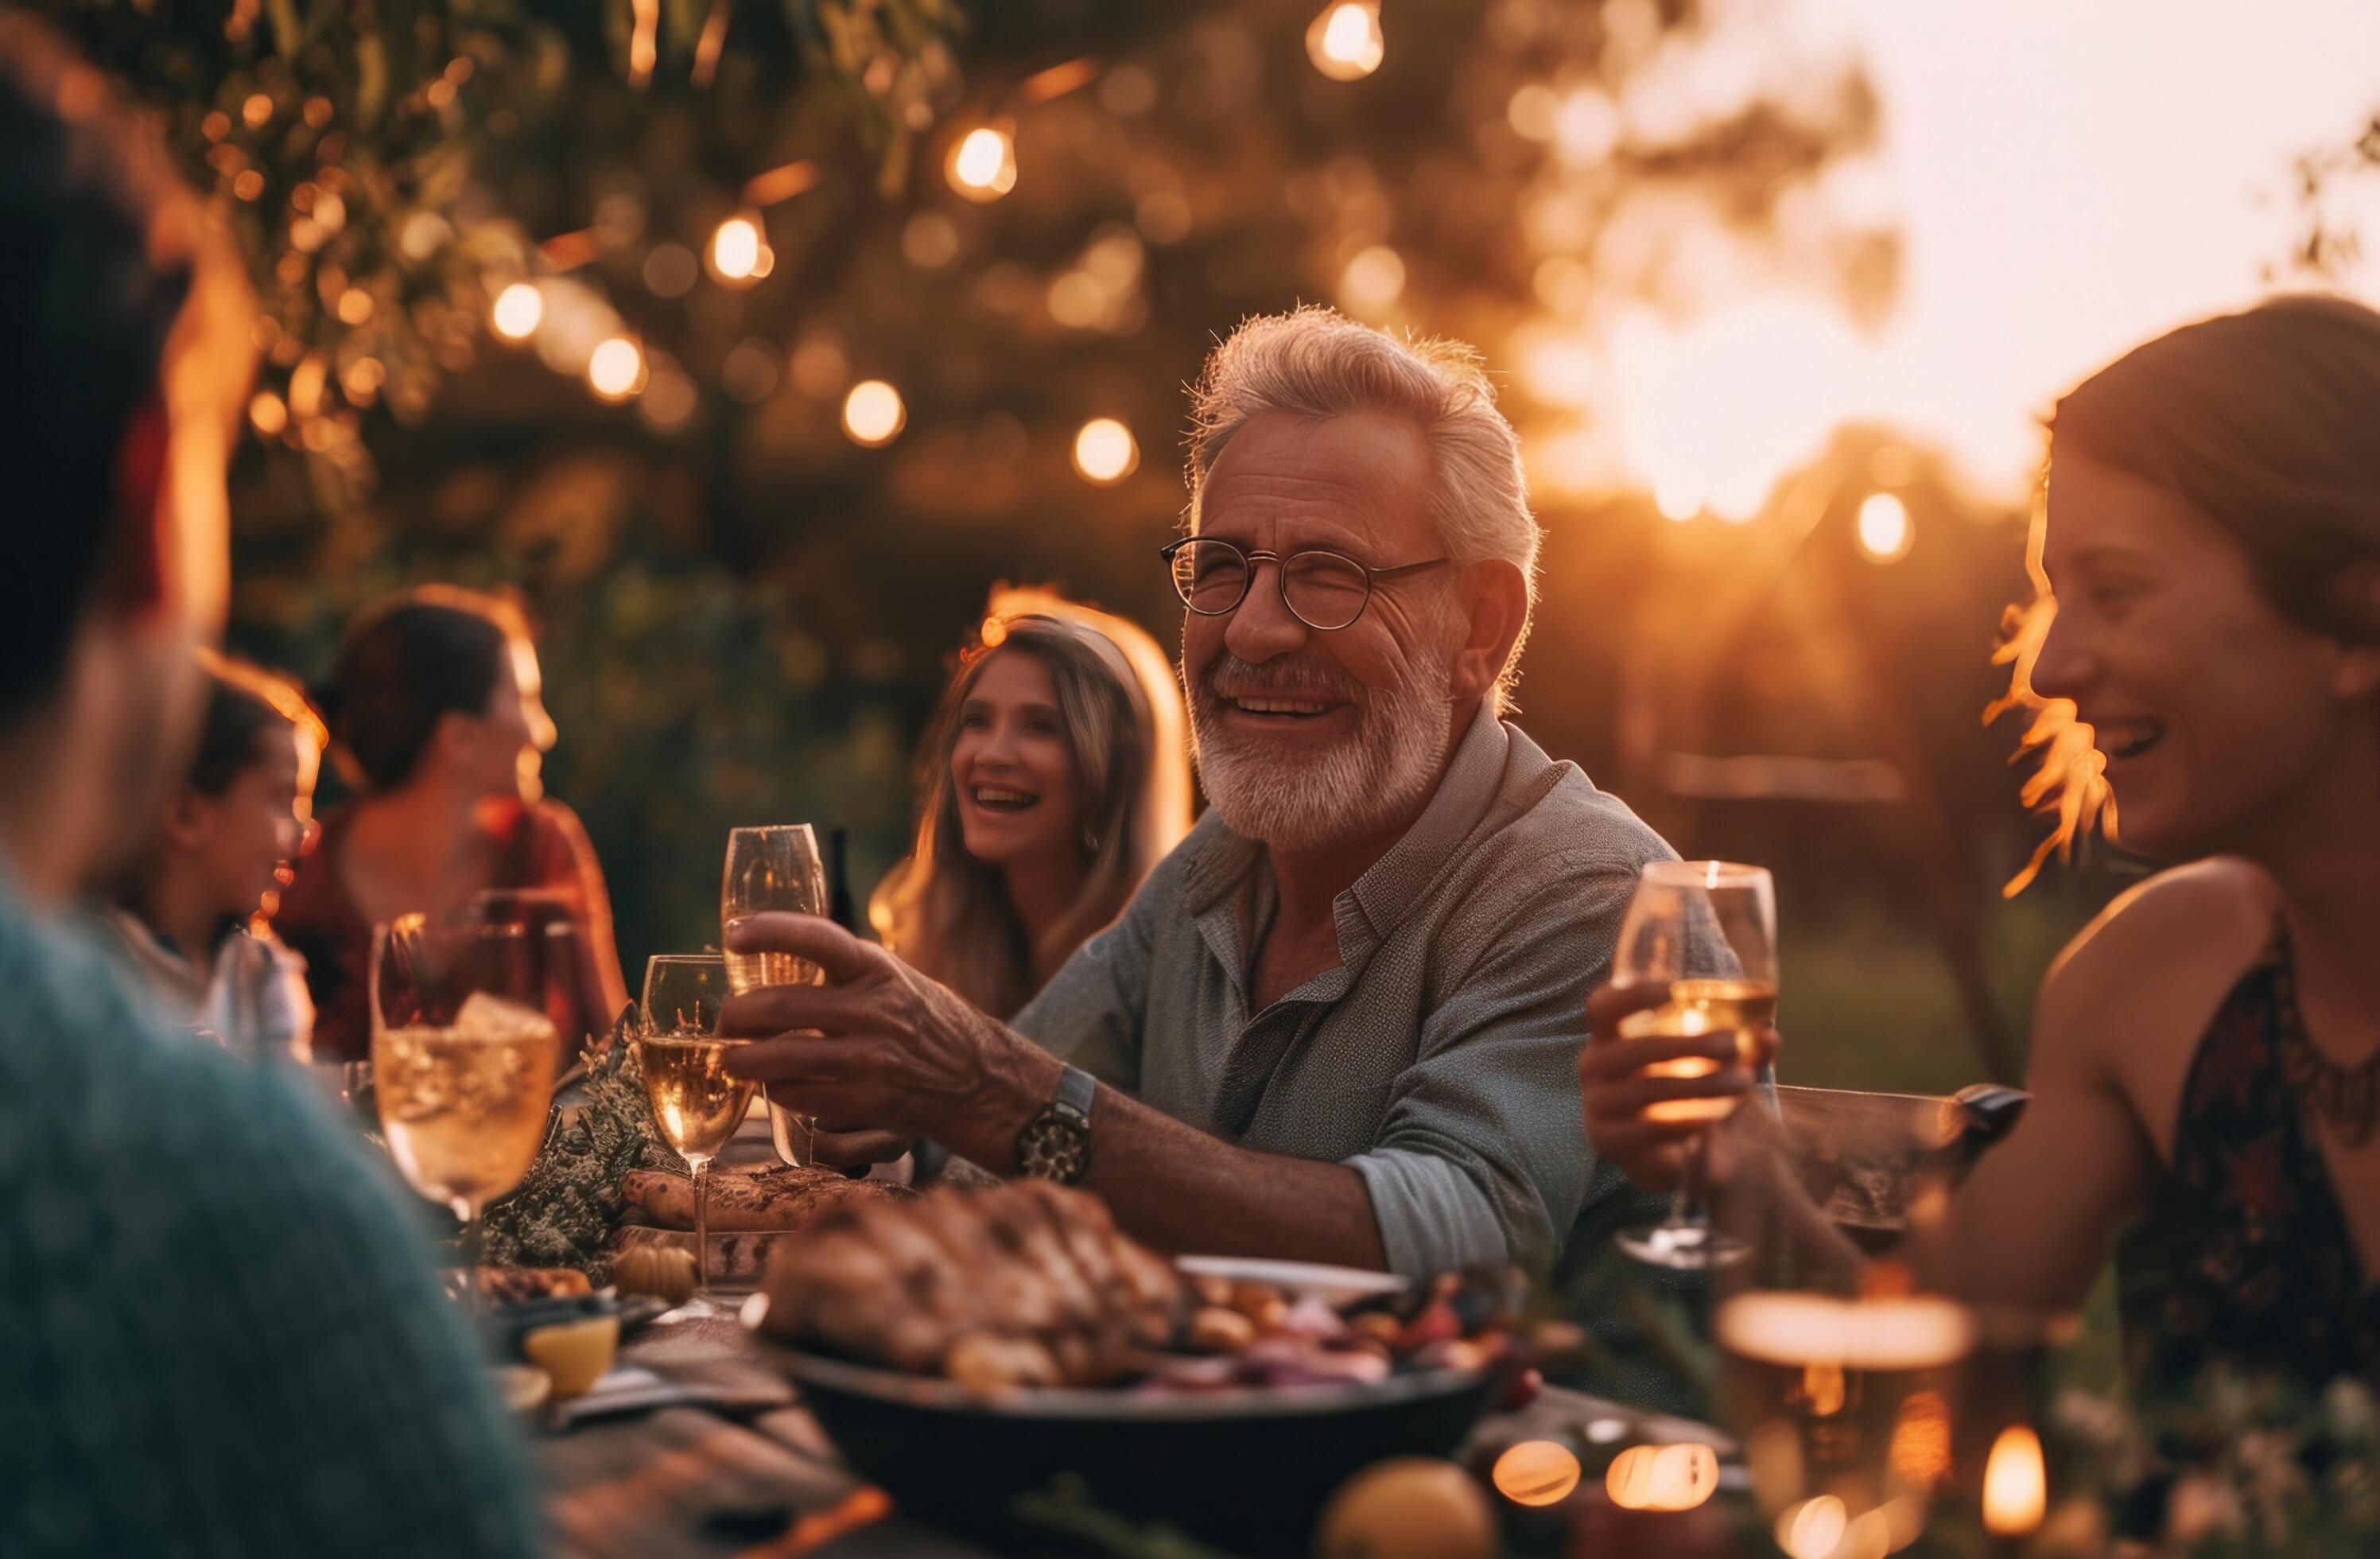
x=2077, y=175
x=2071, y=176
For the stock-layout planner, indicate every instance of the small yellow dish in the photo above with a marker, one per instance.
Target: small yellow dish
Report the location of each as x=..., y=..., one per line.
x=576, y=1353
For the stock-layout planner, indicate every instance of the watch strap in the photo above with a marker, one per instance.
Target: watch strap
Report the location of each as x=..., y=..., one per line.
x=1077, y=1089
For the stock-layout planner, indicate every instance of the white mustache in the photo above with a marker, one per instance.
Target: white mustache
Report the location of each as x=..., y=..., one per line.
x=1232, y=678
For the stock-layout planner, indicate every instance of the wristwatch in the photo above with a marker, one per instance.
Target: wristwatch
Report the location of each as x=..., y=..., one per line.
x=1056, y=1144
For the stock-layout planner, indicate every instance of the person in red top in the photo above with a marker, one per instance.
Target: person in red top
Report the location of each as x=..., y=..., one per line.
x=438, y=722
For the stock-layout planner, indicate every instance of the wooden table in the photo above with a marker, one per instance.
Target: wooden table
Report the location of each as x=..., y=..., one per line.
x=758, y=1478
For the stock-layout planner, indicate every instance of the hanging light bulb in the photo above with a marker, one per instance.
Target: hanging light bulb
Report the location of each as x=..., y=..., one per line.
x=518, y=309
x=983, y=163
x=1105, y=452
x=616, y=369
x=1344, y=42
x=736, y=249
x=872, y=413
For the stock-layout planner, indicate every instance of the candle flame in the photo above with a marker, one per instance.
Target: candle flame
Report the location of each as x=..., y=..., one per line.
x=2015, y=1486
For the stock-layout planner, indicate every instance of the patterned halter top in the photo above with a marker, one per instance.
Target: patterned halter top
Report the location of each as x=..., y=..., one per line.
x=2259, y=1264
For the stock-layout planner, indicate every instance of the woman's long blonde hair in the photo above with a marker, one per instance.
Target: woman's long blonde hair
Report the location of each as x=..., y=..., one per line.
x=945, y=911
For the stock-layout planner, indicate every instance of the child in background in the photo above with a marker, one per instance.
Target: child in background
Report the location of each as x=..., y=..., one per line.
x=191, y=921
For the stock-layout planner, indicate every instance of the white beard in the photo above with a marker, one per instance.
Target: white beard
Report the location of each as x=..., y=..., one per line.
x=1353, y=791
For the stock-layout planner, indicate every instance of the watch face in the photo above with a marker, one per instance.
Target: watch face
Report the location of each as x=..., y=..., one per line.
x=1054, y=1147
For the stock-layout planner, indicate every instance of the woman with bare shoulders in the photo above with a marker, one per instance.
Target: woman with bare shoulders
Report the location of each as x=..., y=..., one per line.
x=2205, y=1055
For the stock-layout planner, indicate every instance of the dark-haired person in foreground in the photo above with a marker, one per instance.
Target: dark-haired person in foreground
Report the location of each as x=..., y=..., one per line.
x=187, y=918
x=2206, y=1054
x=437, y=714
x=218, y=1333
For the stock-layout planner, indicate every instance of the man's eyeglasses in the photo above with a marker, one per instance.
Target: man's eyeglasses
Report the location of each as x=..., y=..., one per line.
x=1326, y=591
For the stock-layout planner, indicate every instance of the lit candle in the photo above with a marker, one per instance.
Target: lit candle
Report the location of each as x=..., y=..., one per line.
x=2015, y=1486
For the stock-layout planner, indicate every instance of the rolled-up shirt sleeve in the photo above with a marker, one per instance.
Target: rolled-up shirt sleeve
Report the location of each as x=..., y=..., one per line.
x=1483, y=1155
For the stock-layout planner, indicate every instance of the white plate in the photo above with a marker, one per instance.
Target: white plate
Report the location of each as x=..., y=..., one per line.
x=1334, y=1285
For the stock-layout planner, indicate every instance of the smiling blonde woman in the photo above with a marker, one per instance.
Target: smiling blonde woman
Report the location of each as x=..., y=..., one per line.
x=1053, y=777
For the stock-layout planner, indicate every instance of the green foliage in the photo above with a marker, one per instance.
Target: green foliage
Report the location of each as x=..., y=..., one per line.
x=390, y=165
x=566, y=1208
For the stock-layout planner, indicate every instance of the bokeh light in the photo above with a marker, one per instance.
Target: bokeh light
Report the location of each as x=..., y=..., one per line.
x=1675, y=1477
x=1587, y=127
x=1814, y=1528
x=1105, y=451
x=2015, y=1487
x=616, y=369
x=669, y=401
x=1372, y=281
x=1536, y=1472
x=872, y=413
x=670, y=270
x=735, y=250
x=518, y=309
x=983, y=163
x=1345, y=41
x=749, y=371
x=269, y=414
x=1885, y=532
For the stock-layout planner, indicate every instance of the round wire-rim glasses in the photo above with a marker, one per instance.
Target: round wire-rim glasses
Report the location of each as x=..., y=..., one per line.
x=1335, y=588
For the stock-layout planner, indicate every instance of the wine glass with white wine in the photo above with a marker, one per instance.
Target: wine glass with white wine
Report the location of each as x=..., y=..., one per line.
x=684, y=1061
x=1707, y=930
x=463, y=1060
x=774, y=868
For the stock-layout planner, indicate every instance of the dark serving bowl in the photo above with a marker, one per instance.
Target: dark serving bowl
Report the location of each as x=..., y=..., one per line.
x=1245, y=1470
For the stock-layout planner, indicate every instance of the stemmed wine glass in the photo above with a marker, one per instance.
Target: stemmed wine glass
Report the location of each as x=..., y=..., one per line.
x=776, y=868
x=1707, y=930
x=684, y=1061
x=462, y=1059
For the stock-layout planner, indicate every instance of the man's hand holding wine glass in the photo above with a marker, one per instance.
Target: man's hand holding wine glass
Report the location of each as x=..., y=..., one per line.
x=879, y=1054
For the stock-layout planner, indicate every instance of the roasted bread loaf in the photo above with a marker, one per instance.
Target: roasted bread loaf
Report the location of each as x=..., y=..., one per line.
x=778, y=1199
x=1024, y=1284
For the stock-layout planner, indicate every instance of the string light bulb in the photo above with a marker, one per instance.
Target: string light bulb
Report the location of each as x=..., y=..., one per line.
x=617, y=368
x=1344, y=42
x=1105, y=452
x=982, y=164
x=517, y=311
x=872, y=413
x=736, y=249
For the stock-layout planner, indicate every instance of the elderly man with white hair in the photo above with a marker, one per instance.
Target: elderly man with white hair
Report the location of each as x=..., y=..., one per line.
x=1340, y=1021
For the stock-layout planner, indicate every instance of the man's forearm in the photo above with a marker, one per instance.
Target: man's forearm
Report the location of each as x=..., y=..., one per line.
x=1179, y=1188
